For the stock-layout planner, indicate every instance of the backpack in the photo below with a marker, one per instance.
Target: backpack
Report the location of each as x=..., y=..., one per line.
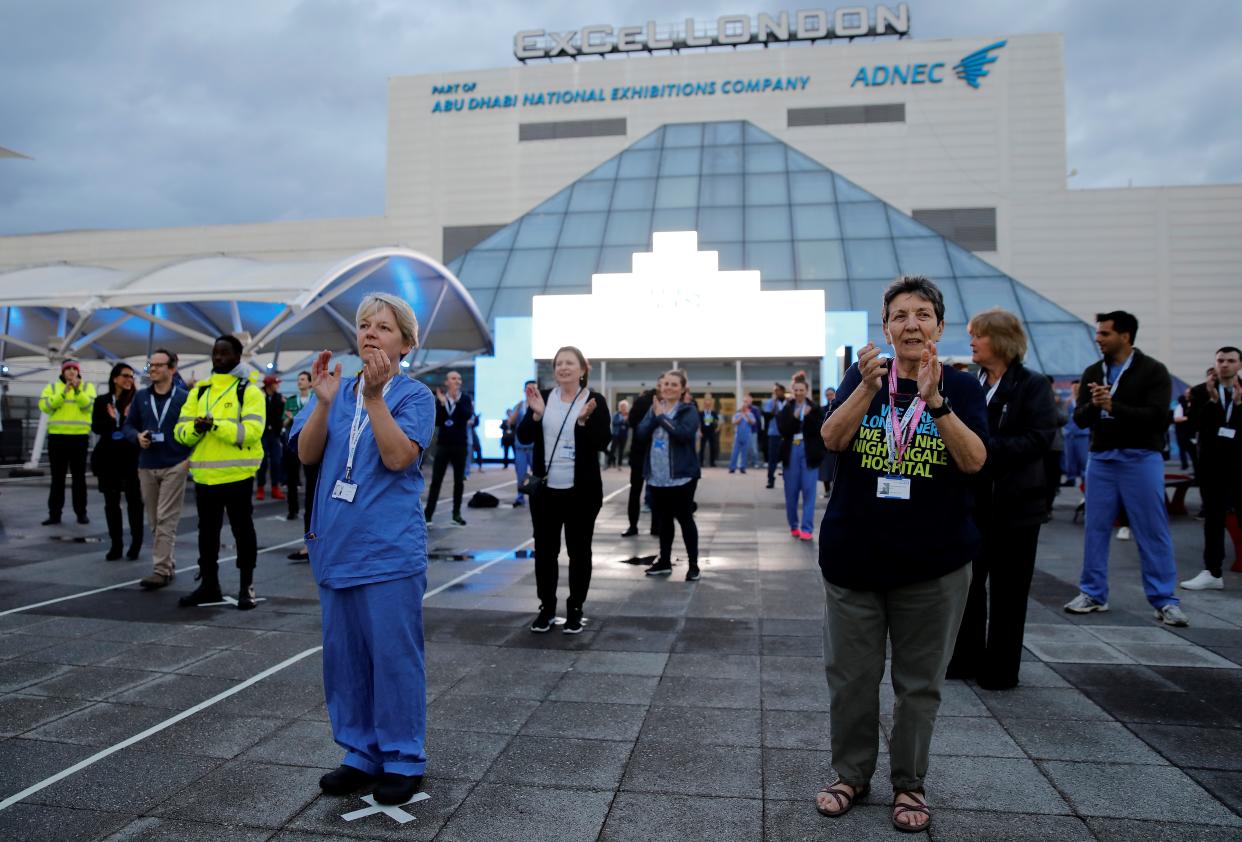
x=483, y=500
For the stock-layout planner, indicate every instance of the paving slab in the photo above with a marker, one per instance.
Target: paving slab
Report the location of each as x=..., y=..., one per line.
x=1107, y=789
x=100, y=724
x=798, y=821
x=695, y=692
x=150, y=778
x=43, y=823
x=20, y=713
x=244, y=792
x=586, y=720
x=1135, y=830
x=152, y=829
x=711, y=726
x=973, y=826
x=553, y=761
x=322, y=819
x=994, y=784
x=1084, y=741
x=1185, y=745
x=640, y=817
x=689, y=767
x=527, y=812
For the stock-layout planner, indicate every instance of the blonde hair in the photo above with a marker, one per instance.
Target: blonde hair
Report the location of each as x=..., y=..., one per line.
x=1005, y=331
x=373, y=302
x=582, y=361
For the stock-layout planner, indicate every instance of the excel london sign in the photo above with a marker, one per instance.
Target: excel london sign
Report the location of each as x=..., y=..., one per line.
x=729, y=31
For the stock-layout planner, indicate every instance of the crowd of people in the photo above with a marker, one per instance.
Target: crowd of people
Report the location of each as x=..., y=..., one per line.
x=938, y=482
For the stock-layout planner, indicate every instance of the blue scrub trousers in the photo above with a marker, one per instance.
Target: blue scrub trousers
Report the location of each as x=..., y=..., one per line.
x=521, y=463
x=774, y=455
x=741, y=451
x=800, y=479
x=1074, y=457
x=374, y=675
x=1138, y=485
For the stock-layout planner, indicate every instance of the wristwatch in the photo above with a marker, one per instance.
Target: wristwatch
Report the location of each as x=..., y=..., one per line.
x=941, y=411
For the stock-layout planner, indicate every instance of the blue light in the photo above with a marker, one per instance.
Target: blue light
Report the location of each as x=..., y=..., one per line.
x=405, y=363
x=404, y=280
x=271, y=366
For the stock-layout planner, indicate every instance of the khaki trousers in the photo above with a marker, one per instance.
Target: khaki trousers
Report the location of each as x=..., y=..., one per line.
x=922, y=621
x=163, y=492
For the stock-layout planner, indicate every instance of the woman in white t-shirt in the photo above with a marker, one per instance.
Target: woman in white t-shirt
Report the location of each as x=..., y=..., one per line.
x=569, y=427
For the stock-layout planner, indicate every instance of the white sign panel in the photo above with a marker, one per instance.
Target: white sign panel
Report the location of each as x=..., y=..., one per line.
x=677, y=304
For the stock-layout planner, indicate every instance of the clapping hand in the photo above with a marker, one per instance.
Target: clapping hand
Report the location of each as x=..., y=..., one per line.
x=377, y=370
x=587, y=409
x=1101, y=397
x=326, y=383
x=930, y=371
x=534, y=401
x=872, y=367
x=111, y=411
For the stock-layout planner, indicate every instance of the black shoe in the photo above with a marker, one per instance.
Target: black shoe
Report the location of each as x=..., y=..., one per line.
x=134, y=549
x=460, y=521
x=630, y=533
x=203, y=594
x=573, y=622
x=397, y=789
x=770, y=484
x=344, y=780
x=83, y=519
x=660, y=568
x=52, y=520
x=300, y=555
x=154, y=582
x=692, y=575
x=113, y=554
x=543, y=622
x=291, y=516
x=246, y=599
x=518, y=503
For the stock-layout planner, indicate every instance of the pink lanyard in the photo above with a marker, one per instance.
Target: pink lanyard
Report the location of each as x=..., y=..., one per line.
x=900, y=433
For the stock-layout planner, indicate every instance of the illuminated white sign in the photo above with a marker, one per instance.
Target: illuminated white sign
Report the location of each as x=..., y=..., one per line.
x=677, y=304
x=730, y=30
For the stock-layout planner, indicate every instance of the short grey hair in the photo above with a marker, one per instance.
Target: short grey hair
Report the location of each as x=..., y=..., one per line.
x=373, y=302
x=916, y=285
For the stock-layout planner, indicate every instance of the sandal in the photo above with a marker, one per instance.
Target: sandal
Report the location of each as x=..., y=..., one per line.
x=842, y=799
x=920, y=806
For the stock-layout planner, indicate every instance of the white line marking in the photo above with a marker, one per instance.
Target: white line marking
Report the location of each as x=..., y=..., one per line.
x=154, y=729
x=173, y=720
x=133, y=582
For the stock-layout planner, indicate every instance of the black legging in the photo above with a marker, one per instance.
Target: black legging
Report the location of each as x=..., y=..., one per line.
x=676, y=504
x=636, y=489
x=113, y=486
x=445, y=454
x=553, y=510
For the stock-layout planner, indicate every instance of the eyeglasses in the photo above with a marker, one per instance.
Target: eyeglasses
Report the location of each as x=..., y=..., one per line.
x=157, y=365
x=127, y=375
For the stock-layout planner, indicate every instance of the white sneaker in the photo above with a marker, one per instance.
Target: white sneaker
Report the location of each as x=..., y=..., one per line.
x=1205, y=581
x=1171, y=615
x=1123, y=533
x=1083, y=604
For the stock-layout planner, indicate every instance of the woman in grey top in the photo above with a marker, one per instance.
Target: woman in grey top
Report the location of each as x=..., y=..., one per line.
x=671, y=469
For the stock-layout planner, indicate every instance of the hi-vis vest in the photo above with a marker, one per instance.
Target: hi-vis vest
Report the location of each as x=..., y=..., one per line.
x=232, y=449
x=68, y=413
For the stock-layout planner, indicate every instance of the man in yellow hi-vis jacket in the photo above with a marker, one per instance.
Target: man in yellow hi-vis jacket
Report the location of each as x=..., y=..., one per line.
x=67, y=402
x=222, y=420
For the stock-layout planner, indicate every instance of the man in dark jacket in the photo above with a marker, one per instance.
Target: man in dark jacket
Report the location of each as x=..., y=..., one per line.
x=454, y=413
x=1216, y=412
x=1124, y=401
x=638, y=458
x=273, y=450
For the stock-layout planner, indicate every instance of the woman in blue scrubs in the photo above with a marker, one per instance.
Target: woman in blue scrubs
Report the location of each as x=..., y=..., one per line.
x=368, y=551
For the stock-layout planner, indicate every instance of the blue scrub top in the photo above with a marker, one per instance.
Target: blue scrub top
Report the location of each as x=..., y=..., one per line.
x=382, y=535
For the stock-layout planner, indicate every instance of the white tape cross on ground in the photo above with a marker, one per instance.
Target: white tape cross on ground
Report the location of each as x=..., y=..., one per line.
x=393, y=812
x=232, y=691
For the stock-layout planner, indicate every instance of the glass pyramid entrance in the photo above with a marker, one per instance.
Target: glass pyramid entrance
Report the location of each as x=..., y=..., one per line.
x=762, y=205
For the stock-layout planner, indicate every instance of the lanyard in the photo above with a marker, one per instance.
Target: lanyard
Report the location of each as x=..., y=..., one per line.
x=1226, y=403
x=900, y=433
x=450, y=404
x=360, y=423
x=211, y=406
x=983, y=381
x=1112, y=387
x=159, y=416
x=116, y=413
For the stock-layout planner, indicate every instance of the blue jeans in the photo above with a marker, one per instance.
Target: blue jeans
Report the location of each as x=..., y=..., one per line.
x=521, y=463
x=1139, y=486
x=741, y=453
x=800, y=479
x=273, y=458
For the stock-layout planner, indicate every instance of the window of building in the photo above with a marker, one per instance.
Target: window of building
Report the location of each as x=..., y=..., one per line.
x=970, y=228
x=843, y=115
x=566, y=129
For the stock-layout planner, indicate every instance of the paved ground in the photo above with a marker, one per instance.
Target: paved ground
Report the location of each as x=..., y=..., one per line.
x=685, y=711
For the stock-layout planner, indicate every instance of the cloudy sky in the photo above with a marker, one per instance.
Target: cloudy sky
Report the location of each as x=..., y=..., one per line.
x=150, y=113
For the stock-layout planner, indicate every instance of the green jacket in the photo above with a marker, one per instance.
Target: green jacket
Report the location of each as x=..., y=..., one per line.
x=232, y=449
x=68, y=411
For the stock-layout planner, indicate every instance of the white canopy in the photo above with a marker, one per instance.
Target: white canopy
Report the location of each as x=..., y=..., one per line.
x=67, y=310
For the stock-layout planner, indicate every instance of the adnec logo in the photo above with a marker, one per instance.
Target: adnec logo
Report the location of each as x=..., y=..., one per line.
x=970, y=70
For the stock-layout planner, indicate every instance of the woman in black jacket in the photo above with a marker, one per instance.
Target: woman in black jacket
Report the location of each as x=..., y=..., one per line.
x=802, y=449
x=1010, y=502
x=114, y=461
x=569, y=427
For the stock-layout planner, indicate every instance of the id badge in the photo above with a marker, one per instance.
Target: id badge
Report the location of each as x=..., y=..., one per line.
x=448, y=422
x=797, y=439
x=1226, y=432
x=660, y=444
x=157, y=438
x=118, y=435
x=568, y=453
x=893, y=488
x=344, y=491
